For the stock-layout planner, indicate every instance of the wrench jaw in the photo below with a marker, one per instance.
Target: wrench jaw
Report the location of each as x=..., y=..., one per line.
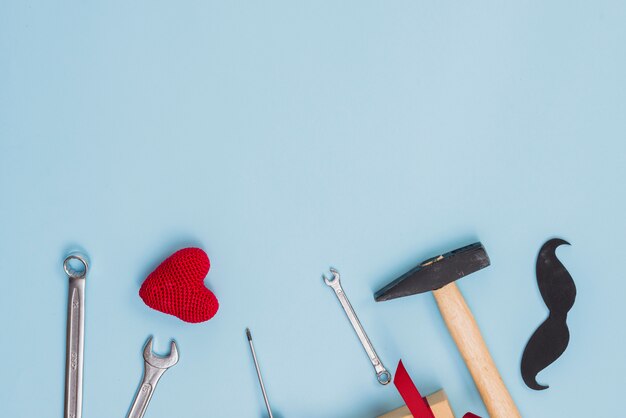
x=160, y=362
x=153, y=368
x=334, y=282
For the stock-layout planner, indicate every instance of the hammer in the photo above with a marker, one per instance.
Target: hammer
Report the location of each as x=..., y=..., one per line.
x=438, y=274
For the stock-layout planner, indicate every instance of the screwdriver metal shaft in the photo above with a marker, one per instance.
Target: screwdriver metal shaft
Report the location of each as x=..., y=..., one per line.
x=258, y=373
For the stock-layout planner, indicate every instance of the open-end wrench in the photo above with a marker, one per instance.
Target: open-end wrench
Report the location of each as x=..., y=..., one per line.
x=383, y=376
x=154, y=367
x=75, y=336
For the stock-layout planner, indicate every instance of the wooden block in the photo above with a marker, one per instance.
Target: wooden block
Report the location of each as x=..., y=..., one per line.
x=438, y=403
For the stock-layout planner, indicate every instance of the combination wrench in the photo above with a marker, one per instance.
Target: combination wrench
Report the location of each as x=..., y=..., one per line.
x=383, y=376
x=153, y=368
x=75, y=336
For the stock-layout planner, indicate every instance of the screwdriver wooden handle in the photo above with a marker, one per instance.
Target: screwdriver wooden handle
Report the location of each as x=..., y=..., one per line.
x=466, y=335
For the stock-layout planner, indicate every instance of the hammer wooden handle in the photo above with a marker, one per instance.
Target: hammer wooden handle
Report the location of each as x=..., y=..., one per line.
x=466, y=335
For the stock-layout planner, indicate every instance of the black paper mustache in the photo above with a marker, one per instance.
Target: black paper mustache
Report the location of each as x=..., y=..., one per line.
x=558, y=291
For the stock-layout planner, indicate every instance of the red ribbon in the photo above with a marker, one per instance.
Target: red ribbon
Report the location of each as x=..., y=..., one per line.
x=412, y=397
x=414, y=401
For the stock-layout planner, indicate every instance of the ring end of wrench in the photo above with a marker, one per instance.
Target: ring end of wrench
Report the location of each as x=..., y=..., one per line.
x=383, y=377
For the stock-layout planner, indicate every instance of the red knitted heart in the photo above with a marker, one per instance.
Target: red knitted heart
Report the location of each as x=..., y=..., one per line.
x=176, y=287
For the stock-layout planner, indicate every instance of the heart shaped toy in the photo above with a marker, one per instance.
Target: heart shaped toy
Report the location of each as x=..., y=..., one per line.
x=176, y=287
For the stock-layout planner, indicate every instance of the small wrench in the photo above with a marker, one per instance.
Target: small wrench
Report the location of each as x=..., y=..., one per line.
x=153, y=368
x=383, y=376
x=75, y=336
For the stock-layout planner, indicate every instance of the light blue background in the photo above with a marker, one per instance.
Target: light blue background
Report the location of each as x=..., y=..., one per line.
x=286, y=137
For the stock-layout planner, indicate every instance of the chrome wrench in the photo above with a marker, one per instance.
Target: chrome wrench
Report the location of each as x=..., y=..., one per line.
x=153, y=368
x=75, y=336
x=382, y=375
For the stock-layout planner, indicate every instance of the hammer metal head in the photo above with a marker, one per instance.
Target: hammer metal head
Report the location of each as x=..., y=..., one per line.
x=436, y=272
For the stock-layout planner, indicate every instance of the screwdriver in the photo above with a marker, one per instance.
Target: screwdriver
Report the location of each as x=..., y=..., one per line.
x=258, y=373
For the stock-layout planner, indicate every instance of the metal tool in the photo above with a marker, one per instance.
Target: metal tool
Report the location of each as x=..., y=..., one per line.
x=258, y=373
x=75, y=336
x=438, y=275
x=153, y=368
x=383, y=376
